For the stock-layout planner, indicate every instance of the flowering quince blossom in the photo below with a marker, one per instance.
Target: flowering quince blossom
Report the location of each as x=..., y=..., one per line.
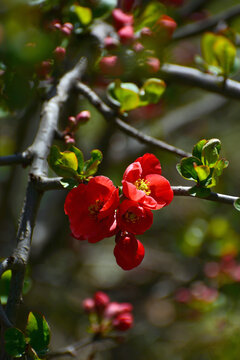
x=129, y=252
x=106, y=315
x=143, y=183
x=133, y=218
x=91, y=209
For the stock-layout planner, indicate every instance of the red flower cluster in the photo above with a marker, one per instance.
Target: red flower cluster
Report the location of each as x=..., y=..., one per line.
x=95, y=211
x=105, y=315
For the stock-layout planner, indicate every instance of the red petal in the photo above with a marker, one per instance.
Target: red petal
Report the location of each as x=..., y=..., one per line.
x=161, y=190
x=133, y=172
x=150, y=164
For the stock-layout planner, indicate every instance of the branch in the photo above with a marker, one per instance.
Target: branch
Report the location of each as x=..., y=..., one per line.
x=194, y=77
x=191, y=6
x=222, y=198
x=198, y=27
x=23, y=158
x=93, y=345
x=40, y=149
x=110, y=115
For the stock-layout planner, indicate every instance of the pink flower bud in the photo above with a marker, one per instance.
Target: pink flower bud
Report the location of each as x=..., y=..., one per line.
x=121, y=19
x=114, y=308
x=166, y=25
x=153, y=64
x=146, y=32
x=67, y=28
x=83, y=116
x=137, y=47
x=110, y=65
x=60, y=53
x=55, y=25
x=126, y=34
x=123, y=321
x=43, y=69
x=72, y=120
x=88, y=305
x=101, y=300
x=69, y=139
x=110, y=43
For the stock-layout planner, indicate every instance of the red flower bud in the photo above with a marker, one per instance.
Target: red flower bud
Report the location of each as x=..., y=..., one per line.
x=166, y=26
x=83, y=116
x=88, y=305
x=110, y=65
x=60, y=53
x=129, y=252
x=153, y=64
x=101, y=300
x=121, y=19
x=123, y=321
x=55, y=25
x=43, y=70
x=126, y=34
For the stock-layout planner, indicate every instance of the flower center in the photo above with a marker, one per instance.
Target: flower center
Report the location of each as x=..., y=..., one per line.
x=95, y=208
x=143, y=185
x=131, y=217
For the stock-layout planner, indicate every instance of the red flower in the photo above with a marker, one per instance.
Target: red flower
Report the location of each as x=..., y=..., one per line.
x=129, y=252
x=123, y=321
x=143, y=183
x=134, y=218
x=91, y=209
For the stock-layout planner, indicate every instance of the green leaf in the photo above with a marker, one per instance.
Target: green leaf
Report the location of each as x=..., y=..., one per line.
x=236, y=204
x=152, y=91
x=150, y=15
x=220, y=166
x=199, y=191
x=202, y=171
x=64, y=164
x=103, y=8
x=210, y=152
x=5, y=286
x=186, y=168
x=15, y=342
x=84, y=14
x=91, y=166
x=197, y=149
x=38, y=333
x=79, y=156
x=225, y=53
x=207, y=43
x=127, y=94
x=68, y=183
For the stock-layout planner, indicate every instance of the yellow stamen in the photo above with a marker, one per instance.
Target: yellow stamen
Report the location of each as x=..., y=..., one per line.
x=131, y=217
x=143, y=185
x=95, y=208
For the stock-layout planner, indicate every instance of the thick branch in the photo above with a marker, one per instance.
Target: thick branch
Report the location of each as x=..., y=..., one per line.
x=194, y=77
x=198, y=27
x=40, y=149
x=110, y=115
x=221, y=198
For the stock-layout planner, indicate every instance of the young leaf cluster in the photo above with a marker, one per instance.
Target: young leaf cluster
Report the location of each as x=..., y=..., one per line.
x=219, y=54
x=127, y=96
x=33, y=343
x=71, y=166
x=204, y=166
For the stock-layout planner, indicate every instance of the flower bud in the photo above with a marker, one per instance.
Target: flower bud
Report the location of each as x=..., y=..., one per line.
x=146, y=32
x=166, y=26
x=83, y=117
x=101, y=300
x=121, y=19
x=126, y=34
x=110, y=65
x=59, y=53
x=153, y=64
x=129, y=252
x=67, y=28
x=110, y=43
x=43, y=69
x=88, y=305
x=69, y=139
x=55, y=25
x=114, y=308
x=123, y=321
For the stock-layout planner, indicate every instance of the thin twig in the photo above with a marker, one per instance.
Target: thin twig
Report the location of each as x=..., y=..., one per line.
x=110, y=115
x=198, y=27
x=194, y=77
x=191, y=6
x=23, y=158
x=221, y=198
